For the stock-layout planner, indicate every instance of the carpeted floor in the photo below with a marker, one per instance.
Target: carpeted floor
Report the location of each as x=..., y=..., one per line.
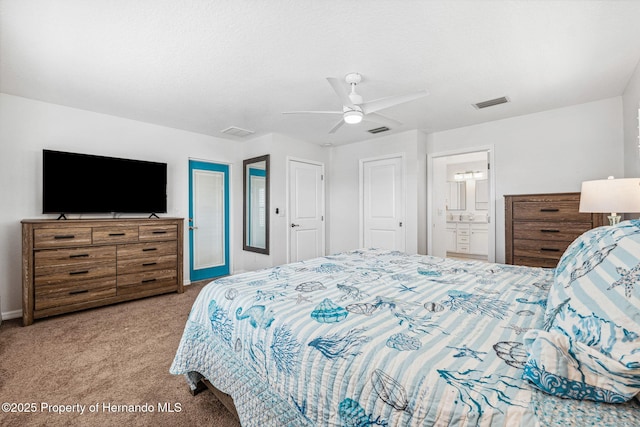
x=104, y=359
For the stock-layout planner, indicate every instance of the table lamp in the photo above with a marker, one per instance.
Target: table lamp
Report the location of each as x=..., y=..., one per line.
x=611, y=195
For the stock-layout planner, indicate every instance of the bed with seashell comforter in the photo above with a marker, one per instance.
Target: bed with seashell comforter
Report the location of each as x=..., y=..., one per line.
x=373, y=337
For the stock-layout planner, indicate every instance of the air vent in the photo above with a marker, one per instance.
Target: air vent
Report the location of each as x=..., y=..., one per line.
x=378, y=130
x=490, y=103
x=235, y=131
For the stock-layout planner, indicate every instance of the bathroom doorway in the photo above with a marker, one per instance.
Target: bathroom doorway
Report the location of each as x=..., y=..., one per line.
x=460, y=193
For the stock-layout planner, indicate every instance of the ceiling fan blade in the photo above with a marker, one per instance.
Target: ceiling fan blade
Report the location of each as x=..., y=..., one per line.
x=312, y=112
x=383, y=120
x=343, y=94
x=337, y=126
x=382, y=103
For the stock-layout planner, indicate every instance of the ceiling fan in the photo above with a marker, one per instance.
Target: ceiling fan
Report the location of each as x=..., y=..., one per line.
x=354, y=110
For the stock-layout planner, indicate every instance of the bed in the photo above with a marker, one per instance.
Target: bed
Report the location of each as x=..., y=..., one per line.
x=374, y=337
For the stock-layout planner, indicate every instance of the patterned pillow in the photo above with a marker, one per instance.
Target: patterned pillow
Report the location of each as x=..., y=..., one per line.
x=590, y=345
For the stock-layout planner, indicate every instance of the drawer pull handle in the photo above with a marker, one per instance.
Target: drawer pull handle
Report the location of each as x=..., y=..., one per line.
x=146, y=264
x=64, y=236
x=148, y=280
x=79, y=256
x=159, y=232
x=149, y=249
x=116, y=234
x=75, y=273
x=550, y=249
x=549, y=210
x=84, y=291
x=549, y=231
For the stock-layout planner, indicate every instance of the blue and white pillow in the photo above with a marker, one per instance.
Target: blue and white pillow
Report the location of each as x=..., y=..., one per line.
x=590, y=345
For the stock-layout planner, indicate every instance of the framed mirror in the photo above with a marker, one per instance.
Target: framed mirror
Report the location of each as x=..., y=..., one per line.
x=457, y=196
x=255, y=230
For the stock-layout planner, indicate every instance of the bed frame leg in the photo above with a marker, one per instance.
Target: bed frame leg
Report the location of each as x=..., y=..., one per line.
x=201, y=386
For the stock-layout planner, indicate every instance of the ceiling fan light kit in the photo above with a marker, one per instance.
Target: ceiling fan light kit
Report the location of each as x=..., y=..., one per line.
x=354, y=110
x=352, y=117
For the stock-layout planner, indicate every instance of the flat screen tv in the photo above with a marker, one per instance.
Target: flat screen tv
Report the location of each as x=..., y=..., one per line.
x=82, y=184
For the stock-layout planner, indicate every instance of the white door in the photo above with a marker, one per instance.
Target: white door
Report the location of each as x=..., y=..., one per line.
x=383, y=204
x=306, y=210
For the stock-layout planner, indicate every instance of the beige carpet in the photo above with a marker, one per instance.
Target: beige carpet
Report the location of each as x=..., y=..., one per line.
x=117, y=355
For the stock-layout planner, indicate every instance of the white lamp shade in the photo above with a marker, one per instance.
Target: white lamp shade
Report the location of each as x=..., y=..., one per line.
x=611, y=195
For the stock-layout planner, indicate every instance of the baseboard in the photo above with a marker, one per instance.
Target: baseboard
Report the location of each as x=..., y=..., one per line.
x=15, y=314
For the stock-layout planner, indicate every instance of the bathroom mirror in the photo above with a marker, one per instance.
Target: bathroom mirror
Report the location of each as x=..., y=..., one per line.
x=457, y=195
x=255, y=231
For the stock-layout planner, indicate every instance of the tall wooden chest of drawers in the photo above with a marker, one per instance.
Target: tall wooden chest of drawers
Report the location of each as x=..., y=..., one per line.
x=70, y=265
x=539, y=227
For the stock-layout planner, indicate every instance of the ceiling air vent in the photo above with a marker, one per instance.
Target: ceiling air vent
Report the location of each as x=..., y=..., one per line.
x=490, y=103
x=236, y=131
x=378, y=130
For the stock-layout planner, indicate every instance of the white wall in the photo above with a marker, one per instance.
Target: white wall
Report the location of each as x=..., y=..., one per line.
x=279, y=147
x=551, y=151
x=548, y=152
x=28, y=126
x=631, y=103
x=344, y=188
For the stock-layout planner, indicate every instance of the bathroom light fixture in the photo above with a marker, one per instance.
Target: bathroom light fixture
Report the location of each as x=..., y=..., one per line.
x=458, y=176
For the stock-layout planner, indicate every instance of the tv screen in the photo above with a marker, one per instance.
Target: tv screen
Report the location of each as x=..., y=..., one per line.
x=83, y=183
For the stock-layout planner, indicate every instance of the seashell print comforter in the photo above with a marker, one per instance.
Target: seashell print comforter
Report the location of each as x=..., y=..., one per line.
x=374, y=337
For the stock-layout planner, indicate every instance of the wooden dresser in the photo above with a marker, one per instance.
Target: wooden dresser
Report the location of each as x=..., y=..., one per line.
x=70, y=265
x=539, y=227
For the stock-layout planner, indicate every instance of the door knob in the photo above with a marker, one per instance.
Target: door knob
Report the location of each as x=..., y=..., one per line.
x=294, y=225
x=192, y=227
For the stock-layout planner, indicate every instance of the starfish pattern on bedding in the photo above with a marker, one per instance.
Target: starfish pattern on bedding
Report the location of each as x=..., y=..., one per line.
x=465, y=351
x=301, y=298
x=628, y=278
x=405, y=288
x=517, y=329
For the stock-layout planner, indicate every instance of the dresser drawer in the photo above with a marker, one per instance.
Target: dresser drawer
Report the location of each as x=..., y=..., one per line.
x=150, y=249
x=74, y=293
x=536, y=262
x=538, y=230
x=61, y=237
x=114, y=234
x=565, y=210
x=63, y=274
x=48, y=261
x=139, y=265
x=158, y=232
x=140, y=282
x=550, y=249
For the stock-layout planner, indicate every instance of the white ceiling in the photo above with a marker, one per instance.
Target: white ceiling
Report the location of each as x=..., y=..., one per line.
x=204, y=66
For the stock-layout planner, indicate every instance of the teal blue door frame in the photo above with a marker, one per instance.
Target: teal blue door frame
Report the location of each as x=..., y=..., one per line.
x=209, y=272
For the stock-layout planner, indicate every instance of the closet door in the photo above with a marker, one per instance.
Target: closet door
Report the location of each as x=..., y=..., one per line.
x=382, y=201
x=306, y=207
